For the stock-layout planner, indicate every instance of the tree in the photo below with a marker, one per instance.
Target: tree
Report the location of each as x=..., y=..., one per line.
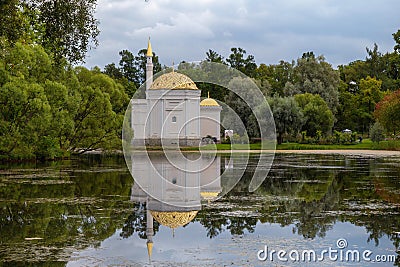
x=287, y=115
x=12, y=23
x=213, y=56
x=238, y=61
x=396, y=37
x=140, y=63
x=369, y=95
x=99, y=116
x=387, y=112
x=315, y=76
x=24, y=116
x=278, y=77
x=318, y=116
x=25, y=107
x=67, y=29
x=112, y=71
x=132, y=68
x=348, y=113
x=241, y=105
x=376, y=132
x=45, y=114
x=127, y=66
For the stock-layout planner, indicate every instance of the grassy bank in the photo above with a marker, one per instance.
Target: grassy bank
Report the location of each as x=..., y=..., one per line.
x=366, y=144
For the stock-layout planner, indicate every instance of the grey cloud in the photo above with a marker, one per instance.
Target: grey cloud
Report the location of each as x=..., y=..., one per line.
x=270, y=30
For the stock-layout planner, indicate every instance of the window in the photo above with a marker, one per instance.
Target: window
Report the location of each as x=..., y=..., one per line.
x=174, y=119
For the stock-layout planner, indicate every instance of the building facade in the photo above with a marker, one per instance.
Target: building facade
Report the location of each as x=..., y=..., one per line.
x=172, y=113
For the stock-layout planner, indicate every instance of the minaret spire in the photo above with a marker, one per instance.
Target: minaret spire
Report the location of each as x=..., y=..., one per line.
x=149, y=66
x=149, y=50
x=149, y=231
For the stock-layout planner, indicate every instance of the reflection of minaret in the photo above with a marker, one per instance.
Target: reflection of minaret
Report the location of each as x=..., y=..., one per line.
x=149, y=66
x=149, y=231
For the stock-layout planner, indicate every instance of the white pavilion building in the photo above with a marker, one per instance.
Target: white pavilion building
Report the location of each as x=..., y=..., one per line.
x=172, y=113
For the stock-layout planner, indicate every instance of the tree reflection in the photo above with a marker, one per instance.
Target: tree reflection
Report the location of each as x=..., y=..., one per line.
x=60, y=207
x=313, y=199
x=136, y=223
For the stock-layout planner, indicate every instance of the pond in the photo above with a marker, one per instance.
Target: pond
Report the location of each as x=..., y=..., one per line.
x=311, y=210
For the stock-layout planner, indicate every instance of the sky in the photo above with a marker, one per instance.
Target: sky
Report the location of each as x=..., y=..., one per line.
x=270, y=30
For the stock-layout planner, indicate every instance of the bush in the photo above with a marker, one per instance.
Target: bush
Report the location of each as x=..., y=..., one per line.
x=226, y=140
x=376, y=132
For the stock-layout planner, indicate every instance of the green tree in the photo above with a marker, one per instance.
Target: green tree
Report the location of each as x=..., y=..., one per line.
x=396, y=37
x=67, y=29
x=97, y=121
x=279, y=77
x=128, y=66
x=315, y=76
x=377, y=132
x=287, y=115
x=26, y=112
x=369, y=95
x=213, y=56
x=112, y=71
x=318, y=116
x=348, y=114
x=47, y=113
x=238, y=60
x=241, y=108
x=140, y=63
x=12, y=21
x=24, y=117
x=132, y=69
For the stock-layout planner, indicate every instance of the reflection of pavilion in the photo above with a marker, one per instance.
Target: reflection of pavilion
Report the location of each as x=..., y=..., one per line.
x=173, y=187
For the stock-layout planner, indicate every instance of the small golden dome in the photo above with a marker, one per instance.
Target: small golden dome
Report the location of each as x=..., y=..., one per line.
x=174, y=80
x=209, y=102
x=174, y=219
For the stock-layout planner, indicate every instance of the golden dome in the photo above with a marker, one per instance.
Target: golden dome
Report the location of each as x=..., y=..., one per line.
x=209, y=102
x=174, y=80
x=174, y=219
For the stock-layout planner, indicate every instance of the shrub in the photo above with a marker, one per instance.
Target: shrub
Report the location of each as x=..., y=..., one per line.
x=376, y=132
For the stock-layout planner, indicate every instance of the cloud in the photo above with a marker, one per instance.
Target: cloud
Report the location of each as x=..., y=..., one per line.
x=270, y=30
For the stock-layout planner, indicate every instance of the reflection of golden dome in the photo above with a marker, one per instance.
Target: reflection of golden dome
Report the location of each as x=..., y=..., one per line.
x=174, y=219
x=174, y=80
x=209, y=195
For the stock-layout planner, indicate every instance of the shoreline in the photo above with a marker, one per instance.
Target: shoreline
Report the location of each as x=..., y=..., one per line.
x=346, y=152
x=349, y=152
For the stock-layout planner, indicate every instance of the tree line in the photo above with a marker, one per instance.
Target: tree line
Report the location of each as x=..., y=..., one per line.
x=310, y=100
x=50, y=107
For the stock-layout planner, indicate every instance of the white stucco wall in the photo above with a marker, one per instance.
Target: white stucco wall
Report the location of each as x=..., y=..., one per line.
x=210, y=121
x=181, y=104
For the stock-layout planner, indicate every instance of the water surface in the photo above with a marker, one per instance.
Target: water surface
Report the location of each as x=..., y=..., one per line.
x=86, y=212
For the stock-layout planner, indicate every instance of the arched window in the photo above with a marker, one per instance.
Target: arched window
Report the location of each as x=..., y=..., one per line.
x=173, y=119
